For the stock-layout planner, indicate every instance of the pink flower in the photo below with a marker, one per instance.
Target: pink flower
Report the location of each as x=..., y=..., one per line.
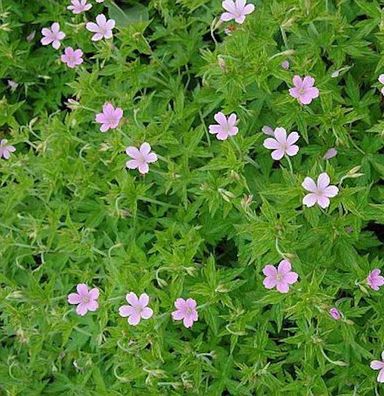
x=109, y=118
x=379, y=365
x=102, y=28
x=381, y=80
x=186, y=311
x=52, y=35
x=225, y=127
x=282, y=144
x=332, y=152
x=72, y=57
x=6, y=149
x=141, y=157
x=85, y=298
x=267, y=130
x=304, y=91
x=319, y=193
x=237, y=10
x=375, y=280
x=281, y=277
x=335, y=313
x=137, y=308
x=79, y=6
x=285, y=65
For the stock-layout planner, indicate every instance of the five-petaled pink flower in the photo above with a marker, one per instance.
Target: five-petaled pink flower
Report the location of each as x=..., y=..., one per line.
x=72, y=57
x=109, y=118
x=52, y=35
x=226, y=126
x=85, y=298
x=237, y=10
x=319, y=193
x=102, y=28
x=185, y=311
x=335, y=313
x=282, y=144
x=379, y=365
x=137, y=308
x=6, y=149
x=281, y=277
x=79, y=6
x=375, y=280
x=140, y=157
x=303, y=90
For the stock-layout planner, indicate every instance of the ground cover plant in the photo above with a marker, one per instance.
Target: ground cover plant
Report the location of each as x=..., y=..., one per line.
x=191, y=197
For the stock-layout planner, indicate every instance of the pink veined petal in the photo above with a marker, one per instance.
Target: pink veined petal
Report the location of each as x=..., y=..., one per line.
x=323, y=201
x=308, y=82
x=78, y=53
x=377, y=365
x=213, y=129
x=278, y=154
x=240, y=4
x=282, y=287
x=240, y=19
x=146, y=313
x=381, y=78
x=144, y=299
x=281, y=135
x=101, y=20
x=108, y=34
x=101, y=118
x=94, y=293
x=331, y=191
x=132, y=299
x=309, y=200
x=380, y=377
x=382, y=90
x=46, y=32
x=297, y=82
x=133, y=152
x=229, y=5
x=382, y=358
x=269, y=282
x=233, y=131
x=292, y=138
x=108, y=109
x=177, y=315
x=126, y=310
x=82, y=289
x=6, y=153
x=134, y=319
x=270, y=270
x=220, y=118
x=81, y=309
x=284, y=267
x=187, y=322
x=294, y=92
x=11, y=149
x=105, y=127
x=60, y=36
x=376, y=272
x=110, y=24
x=118, y=113
x=194, y=315
x=248, y=9
x=92, y=27
x=97, y=37
x=132, y=164
x=309, y=184
x=291, y=277
x=92, y=305
x=222, y=135
x=55, y=27
x=151, y=157
x=226, y=16
x=379, y=280
x=292, y=150
x=305, y=98
x=56, y=44
x=323, y=181
x=267, y=130
x=143, y=168
x=271, y=143
x=74, y=298
x=46, y=41
x=232, y=120
x=180, y=303
x=191, y=303
x=314, y=92
x=145, y=148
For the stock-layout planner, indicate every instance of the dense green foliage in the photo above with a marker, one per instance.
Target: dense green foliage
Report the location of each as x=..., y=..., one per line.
x=207, y=217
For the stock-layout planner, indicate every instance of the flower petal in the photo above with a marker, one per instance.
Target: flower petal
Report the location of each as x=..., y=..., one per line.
x=281, y=135
x=323, y=181
x=309, y=184
x=146, y=313
x=132, y=299
x=310, y=199
x=74, y=298
x=82, y=289
x=284, y=267
x=144, y=299
x=134, y=319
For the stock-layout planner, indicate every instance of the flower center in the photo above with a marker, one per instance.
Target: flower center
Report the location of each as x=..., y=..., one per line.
x=85, y=299
x=279, y=277
x=301, y=91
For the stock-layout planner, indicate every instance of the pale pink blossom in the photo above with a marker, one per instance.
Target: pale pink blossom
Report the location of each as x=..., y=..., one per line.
x=137, y=308
x=140, y=157
x=285, y=65
x=281, y=277
x=332, y=152
x=109, y=118
x=72, y=57
x=85, y=298
x=267, y=130
x=375, y=280
x=335, y=313
x=303, y=89
x=225, y=127
x=319, y=193
x=381, y=80
x=237, y=10
x=379, y=365
x=79, y=6
x=102, y=28
x=6, y=149
x=281, y=144
x=52, y=35
x=185, y=311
